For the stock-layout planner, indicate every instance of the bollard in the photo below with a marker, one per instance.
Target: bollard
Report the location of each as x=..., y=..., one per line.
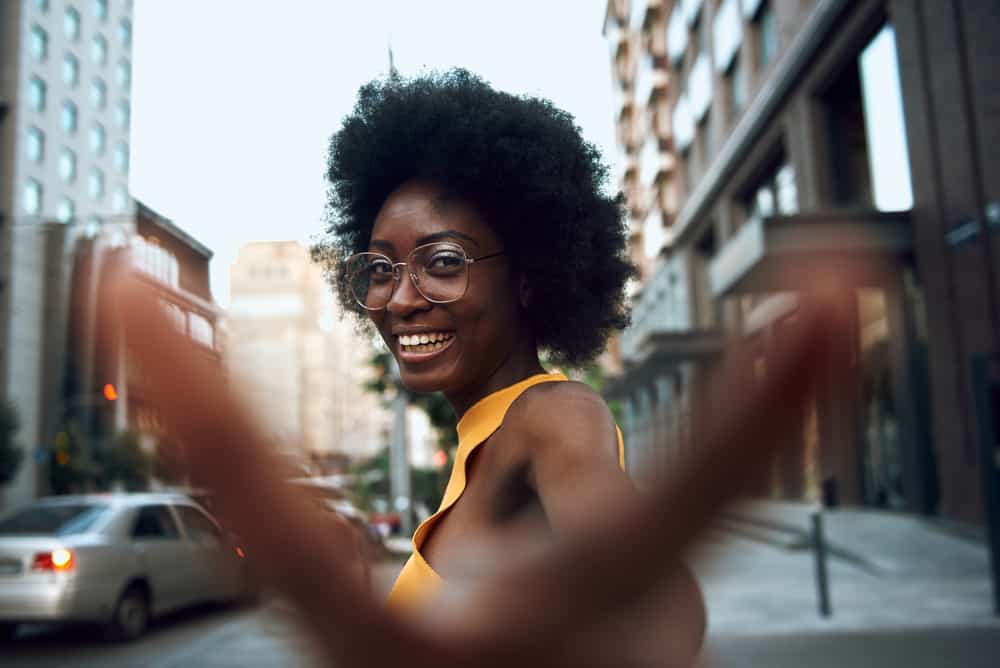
x=819, y=549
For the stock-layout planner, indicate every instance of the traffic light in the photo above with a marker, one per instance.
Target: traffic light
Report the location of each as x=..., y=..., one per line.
x=110, y=393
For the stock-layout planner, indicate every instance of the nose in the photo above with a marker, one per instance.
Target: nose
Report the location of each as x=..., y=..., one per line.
x=406, y=299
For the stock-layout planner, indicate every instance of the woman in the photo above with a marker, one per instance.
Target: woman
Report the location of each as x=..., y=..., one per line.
x=469, y=226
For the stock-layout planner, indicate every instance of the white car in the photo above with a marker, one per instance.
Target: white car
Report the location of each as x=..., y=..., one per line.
x=117, y=559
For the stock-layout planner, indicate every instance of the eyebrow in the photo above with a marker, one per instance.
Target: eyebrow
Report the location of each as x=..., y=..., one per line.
x=430, y=238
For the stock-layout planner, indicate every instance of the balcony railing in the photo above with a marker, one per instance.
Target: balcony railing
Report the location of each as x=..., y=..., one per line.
x=661, y=306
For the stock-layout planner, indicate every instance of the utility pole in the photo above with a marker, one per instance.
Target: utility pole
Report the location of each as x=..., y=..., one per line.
x=399, y=460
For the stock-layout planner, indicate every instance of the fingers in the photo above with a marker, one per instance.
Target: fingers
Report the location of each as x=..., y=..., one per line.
x=605, y=568
x=303, y=555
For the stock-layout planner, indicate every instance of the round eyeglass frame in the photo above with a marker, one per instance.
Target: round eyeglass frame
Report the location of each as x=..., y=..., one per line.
x=397, y=274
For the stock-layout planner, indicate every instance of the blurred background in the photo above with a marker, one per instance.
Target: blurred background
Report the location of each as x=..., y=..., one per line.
x=750, y=138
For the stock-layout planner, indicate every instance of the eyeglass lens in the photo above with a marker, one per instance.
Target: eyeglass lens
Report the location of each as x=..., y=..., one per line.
x=440, y=272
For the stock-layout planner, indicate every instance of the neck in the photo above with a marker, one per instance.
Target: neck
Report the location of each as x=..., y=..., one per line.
x=521, y=363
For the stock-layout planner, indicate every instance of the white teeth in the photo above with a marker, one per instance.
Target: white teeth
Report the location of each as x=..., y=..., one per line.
x=422, y=343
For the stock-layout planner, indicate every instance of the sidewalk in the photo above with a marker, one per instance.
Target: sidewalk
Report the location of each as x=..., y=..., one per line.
x=887, y=571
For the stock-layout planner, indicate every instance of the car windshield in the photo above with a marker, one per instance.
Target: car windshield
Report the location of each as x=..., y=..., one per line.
x=52, y=520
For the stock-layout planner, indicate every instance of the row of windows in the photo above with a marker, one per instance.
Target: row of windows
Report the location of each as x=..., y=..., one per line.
x=35, y=147
x=38, y=100
x=71, y=72
x=33, y=196
x=38, y=46
x=72, y=20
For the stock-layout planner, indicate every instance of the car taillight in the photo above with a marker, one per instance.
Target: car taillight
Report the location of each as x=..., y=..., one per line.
x=57, y=560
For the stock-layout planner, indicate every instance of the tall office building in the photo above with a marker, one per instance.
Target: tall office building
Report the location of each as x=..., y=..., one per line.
x=786, y=132
x=302, y=366
x=65, y=80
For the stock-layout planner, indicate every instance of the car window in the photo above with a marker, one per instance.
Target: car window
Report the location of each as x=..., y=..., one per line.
x=198, y=524
x=154, y=522
x=52, y=519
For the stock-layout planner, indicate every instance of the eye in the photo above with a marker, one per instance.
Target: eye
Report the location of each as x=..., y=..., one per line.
x=379, y=266
x=379, y=269
x=445, y=262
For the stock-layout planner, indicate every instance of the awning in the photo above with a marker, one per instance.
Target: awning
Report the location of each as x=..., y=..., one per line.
x=661, y=351
x=775, y=254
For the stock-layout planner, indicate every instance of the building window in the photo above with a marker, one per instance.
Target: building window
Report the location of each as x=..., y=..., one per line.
x=120, y=158
x=32, y=197
x=71, y=23
x=36, y=94
x=785, y=189
x=98, y=94
x=122, y=115
x=737, y=88
x=155, y=260
x=101, y=9
x=95, y=184
x=92, y=227
x=65, y=210
x=201, y=330
x=38, y=43
x=125, y=32
x=69, y=117
x=124, y=72
x=119, y=199
x=869, y=157
x=775, y=194
x=71, y=70
x=97, y=139
x=767, y=35
x=888, y=154
x=34, y=146
x=99, y=50
x=67, y=165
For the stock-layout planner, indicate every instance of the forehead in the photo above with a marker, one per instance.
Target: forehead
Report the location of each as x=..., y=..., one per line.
x=417, y=210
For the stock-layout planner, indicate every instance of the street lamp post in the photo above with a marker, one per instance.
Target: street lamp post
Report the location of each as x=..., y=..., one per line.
x=399, y=461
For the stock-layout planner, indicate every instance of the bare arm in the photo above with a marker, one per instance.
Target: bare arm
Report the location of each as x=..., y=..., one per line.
x=574, y=452
x=534, y=610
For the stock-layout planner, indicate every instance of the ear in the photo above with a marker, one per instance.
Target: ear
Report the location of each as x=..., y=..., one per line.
x=524, y=292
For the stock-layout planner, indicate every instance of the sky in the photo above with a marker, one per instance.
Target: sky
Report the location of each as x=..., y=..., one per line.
x=233, y=101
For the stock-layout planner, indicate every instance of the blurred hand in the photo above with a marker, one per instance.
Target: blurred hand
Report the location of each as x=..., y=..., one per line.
x=540, y=605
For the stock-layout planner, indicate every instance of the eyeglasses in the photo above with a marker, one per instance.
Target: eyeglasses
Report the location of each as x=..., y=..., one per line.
x=439, y=271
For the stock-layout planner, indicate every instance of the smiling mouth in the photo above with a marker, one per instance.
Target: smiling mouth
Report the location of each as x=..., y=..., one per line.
x=429, y=342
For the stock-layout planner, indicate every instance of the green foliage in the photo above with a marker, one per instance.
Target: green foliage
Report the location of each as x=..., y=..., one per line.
x=11, y=454
x=372, y=482
x=71, y=469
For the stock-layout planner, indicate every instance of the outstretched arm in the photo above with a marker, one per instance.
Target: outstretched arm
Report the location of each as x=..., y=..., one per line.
x=530, y=612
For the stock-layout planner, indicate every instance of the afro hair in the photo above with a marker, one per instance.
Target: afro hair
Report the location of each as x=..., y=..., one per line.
x=521, y=162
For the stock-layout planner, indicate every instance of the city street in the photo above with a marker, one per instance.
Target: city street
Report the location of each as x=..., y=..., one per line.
x=761, y=613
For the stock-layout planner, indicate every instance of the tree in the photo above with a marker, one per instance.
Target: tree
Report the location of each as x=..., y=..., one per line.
x=71, y=469
x=11, y=454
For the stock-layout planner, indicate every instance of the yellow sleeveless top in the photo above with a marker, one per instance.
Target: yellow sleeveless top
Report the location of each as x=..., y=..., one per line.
x=417, y=581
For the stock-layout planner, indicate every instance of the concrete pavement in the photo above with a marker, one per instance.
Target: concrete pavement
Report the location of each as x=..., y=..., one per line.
x=887, y=570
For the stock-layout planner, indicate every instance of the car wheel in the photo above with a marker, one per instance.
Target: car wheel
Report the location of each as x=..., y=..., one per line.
x=131, y=615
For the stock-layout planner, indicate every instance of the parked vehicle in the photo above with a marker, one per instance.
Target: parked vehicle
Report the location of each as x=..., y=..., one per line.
x=117, y=559
x=332, y=493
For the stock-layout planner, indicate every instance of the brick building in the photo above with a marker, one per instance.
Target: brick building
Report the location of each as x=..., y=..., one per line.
x=103, y=389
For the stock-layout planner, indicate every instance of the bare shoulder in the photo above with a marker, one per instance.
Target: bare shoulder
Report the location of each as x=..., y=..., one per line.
x=567, y=416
